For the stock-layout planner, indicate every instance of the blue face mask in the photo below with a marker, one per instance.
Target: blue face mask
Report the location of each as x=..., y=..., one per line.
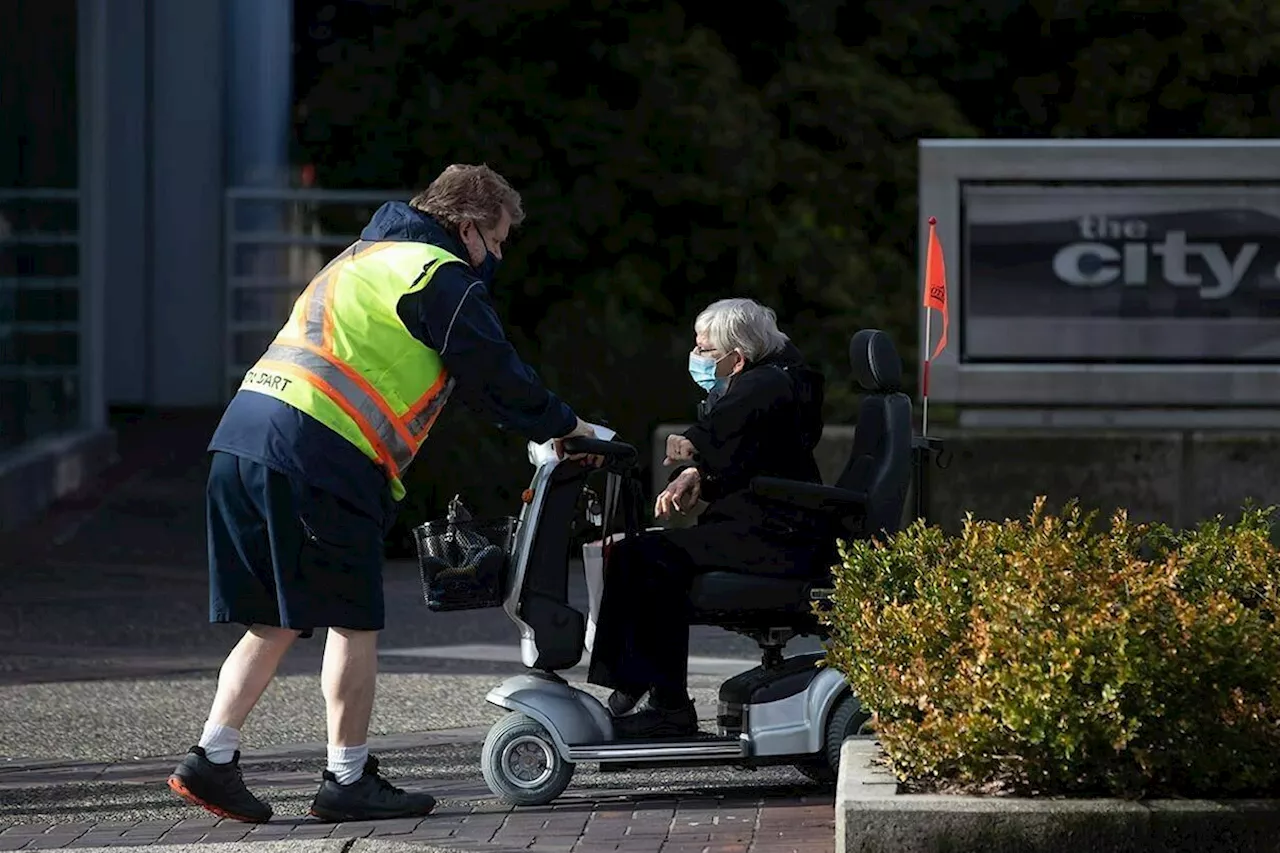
x=703, y=370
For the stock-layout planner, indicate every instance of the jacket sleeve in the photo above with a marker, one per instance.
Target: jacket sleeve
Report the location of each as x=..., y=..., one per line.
x=453, y=316
x=730, y=438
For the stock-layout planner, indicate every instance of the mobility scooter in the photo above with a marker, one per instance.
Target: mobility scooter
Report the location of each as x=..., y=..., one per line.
x=784, y=711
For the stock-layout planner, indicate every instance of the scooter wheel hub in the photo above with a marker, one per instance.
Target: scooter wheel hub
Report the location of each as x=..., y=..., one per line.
x=528, y=761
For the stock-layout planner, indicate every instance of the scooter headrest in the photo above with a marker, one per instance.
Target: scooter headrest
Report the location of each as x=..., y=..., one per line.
x=875, y=362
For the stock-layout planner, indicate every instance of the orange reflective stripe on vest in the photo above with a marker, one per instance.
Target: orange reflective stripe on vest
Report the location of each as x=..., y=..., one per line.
x=318, y=331
x=424, y=412
x=395, y=440
x=318, y=317
x=359, y=370
x=390, y=438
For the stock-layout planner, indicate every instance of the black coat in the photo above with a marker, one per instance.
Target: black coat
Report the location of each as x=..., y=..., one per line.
x=766, y=423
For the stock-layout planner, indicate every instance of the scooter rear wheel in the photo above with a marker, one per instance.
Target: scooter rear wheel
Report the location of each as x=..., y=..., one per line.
x=520, y=762
x=847, y=718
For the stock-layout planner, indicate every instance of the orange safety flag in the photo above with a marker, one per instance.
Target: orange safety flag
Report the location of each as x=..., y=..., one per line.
x=935, y=285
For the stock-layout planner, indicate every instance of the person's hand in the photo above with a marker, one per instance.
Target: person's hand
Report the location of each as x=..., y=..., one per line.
x=679, y=449
x=581, y=429
x=681, y=495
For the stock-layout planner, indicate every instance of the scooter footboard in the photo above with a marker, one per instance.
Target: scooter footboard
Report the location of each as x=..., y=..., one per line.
x=571, y=716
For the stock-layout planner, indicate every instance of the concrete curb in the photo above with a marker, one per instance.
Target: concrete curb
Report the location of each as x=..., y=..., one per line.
x=872, y=817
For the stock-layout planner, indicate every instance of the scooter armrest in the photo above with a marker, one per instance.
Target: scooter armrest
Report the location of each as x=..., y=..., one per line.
x=812, y=497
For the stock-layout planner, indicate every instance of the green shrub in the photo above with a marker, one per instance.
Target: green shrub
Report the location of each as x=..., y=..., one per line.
x=1049, y=656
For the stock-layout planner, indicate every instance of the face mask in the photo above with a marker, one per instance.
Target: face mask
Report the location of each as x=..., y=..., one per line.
x=703, y=370
x=488, y=267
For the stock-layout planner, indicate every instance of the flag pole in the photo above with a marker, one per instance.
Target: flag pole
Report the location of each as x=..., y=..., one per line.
x=928, y=342
x=928, y=339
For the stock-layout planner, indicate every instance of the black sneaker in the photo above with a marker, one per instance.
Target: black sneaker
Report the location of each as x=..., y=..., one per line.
x=368, y=798
x=218, y=788
x=651, y=722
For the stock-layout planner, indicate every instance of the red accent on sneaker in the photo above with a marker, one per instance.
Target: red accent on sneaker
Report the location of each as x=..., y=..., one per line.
x=176, y=785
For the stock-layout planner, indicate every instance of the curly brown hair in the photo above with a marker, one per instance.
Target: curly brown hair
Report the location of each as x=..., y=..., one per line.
x=464, y=192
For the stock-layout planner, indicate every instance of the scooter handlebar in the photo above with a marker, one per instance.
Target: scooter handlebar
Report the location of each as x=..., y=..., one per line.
x=599, y=447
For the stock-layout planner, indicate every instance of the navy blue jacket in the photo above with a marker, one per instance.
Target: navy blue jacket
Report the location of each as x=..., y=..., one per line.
x=454, y=316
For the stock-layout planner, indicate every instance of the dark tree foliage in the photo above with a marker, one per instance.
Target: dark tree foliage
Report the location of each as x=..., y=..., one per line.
x=670, y=154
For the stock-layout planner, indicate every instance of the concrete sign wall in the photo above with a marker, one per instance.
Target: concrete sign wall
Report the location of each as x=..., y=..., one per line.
x=1124, y=278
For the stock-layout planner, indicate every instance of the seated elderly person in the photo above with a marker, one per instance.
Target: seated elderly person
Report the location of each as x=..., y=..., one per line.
x=762, y=416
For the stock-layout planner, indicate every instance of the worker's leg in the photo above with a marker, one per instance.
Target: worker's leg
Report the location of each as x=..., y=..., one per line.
x=348, y=679
x=247, y=514
x=338, y=584
x=256, y=581
x=245, y=675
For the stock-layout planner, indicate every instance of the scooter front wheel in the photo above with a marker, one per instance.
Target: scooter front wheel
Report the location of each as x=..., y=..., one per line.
x=521, y=764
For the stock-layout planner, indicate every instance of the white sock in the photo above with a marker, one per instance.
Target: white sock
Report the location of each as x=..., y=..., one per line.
x=219, y=742
x=346, y=763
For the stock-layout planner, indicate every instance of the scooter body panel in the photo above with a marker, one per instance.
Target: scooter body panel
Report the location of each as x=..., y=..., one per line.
x=582, y=729
x=795, y=725
x=573, y=717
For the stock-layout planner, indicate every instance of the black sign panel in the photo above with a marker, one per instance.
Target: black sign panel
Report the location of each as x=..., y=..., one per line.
x=1121, y=273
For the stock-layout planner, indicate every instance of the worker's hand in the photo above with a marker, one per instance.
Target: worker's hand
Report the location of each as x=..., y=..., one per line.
x=679, y=449
x=681, y=495
x=580, y=430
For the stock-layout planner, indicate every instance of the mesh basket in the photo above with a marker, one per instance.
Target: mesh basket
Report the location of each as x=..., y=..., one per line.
x=463, y=563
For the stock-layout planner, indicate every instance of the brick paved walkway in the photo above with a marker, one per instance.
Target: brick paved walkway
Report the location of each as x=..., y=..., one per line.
x=761, y=819
x=796, y=824
x=157, y=522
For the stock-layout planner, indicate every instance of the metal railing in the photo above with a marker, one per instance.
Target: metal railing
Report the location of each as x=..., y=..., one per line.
x=42, y=396
x=276, y=240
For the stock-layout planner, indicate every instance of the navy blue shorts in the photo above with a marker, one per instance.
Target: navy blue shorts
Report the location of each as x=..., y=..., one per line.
x=284, y=553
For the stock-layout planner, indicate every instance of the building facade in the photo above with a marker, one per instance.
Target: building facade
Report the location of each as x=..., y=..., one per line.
x=123, y=124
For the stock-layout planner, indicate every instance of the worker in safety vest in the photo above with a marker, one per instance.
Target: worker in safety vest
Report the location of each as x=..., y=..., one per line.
x=309, y=460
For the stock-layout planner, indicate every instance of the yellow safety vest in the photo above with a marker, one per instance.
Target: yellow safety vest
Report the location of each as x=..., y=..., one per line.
x=346, y=359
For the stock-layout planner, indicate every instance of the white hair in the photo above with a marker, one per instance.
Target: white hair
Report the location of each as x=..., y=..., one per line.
x=741, y=324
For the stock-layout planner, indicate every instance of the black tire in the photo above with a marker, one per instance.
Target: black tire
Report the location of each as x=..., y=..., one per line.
x=817, y=771
x=847, y=719
x=552, y=773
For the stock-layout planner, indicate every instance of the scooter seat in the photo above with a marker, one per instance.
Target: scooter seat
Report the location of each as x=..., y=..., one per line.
x=736, y=593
